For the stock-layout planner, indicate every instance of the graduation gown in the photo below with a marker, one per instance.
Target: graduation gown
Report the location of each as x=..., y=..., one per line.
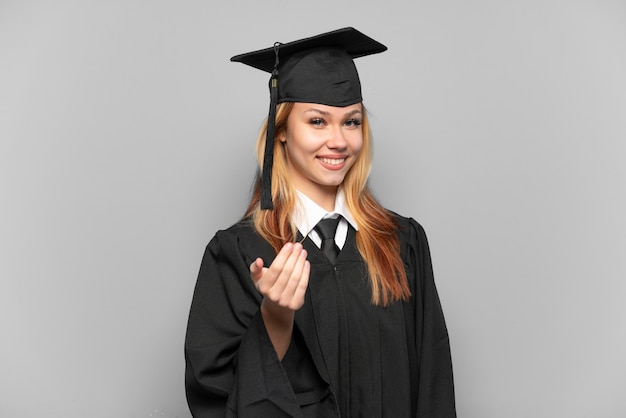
x=347, y=357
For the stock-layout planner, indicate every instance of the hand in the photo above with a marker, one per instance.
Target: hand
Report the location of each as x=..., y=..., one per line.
x=283, y=285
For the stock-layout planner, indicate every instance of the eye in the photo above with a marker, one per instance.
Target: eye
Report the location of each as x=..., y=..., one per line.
x=317, y=122
x=353, y=123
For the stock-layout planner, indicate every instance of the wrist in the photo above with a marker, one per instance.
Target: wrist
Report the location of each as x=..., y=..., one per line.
x=277, y=315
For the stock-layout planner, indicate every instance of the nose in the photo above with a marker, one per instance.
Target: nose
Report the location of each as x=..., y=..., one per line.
x=337, y=139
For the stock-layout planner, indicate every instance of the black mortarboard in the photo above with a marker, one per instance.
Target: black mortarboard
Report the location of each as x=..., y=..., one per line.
x=319, y=69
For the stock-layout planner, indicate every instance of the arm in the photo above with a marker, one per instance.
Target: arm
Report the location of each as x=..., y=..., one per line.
x=232, y=368
x=435, y=384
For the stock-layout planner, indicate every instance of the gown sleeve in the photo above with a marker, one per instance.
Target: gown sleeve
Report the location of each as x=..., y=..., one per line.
x=232, y=369
x=435, y=386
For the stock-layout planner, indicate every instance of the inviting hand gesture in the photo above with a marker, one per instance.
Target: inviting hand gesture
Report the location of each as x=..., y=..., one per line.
x=284, y=283
x=283, y=286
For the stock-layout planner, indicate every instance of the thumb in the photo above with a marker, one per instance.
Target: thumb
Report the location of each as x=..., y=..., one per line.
x=256, y=269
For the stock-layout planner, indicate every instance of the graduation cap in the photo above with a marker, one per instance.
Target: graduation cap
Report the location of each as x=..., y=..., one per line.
x=319, y=69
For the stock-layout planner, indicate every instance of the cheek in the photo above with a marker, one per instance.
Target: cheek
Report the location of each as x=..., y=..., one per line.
x=299, y=143
x=296, y=151
x=356, y=142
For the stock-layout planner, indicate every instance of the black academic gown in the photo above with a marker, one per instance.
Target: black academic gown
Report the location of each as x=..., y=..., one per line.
x=347, y=358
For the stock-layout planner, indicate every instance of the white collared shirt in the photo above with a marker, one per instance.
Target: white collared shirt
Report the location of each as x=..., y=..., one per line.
x=308, y=213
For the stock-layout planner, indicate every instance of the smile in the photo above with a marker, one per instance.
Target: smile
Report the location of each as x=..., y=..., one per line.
x=333, y=161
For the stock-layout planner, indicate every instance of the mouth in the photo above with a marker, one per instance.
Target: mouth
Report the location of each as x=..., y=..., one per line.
x=332, y=161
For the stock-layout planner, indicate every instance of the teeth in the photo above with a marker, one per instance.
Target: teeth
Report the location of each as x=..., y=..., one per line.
x=333, y=161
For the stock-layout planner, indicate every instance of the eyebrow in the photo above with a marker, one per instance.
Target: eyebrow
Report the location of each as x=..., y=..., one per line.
x=325, y=113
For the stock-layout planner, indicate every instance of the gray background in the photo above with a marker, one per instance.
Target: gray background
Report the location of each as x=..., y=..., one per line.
x=126, y=141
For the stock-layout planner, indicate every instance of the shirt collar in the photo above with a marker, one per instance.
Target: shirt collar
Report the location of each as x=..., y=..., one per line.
x=308, y=213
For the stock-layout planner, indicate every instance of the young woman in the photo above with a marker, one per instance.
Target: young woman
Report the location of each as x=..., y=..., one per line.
x=319, y=302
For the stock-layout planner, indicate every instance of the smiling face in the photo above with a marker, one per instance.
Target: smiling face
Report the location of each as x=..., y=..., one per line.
x=322, y=143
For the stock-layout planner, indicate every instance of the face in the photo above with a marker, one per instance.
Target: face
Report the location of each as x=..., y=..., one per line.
x=322, y=144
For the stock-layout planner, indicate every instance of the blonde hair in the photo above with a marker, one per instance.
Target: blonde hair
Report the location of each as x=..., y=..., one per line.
x=376, y=239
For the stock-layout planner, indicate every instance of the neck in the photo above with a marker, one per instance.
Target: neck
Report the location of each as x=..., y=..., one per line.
x=325, y=197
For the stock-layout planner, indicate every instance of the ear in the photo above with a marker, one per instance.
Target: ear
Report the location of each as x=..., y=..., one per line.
x=282, y=137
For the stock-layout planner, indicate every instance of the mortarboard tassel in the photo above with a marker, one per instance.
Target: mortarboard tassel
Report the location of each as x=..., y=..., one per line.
x=268, y=158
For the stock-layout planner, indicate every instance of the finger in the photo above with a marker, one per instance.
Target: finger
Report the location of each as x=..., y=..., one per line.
x=303, y=284
x=296, y=275
x=281, y=258
x=271, y=275
x=256, y=269
x=285, y=274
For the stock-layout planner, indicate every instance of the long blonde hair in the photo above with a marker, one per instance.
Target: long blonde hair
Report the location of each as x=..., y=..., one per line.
x=376, y=239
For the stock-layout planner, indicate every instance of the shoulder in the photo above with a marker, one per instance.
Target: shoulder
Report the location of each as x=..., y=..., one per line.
x=414, y=246
x=240, y=240
x=243, y=228
x=408, y=227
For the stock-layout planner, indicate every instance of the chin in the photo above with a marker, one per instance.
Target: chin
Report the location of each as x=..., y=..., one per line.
x=333, y=183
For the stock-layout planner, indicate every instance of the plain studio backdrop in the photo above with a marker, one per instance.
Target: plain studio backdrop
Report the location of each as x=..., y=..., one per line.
x=127, y=139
